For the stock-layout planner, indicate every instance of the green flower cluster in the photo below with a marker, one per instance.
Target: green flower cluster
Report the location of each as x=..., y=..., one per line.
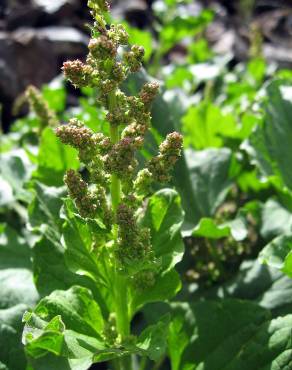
x=40, y=107
x=115, y=190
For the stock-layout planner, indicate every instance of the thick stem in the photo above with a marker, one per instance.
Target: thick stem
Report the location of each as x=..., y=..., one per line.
x=120, y=283
x=115, y=182
x=114, y=135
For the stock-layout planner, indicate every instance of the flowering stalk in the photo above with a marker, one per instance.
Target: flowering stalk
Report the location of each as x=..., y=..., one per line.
x=40, y=107
x=116, y=189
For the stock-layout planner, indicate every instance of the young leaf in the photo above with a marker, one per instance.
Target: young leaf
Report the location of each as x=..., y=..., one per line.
x=54, y=159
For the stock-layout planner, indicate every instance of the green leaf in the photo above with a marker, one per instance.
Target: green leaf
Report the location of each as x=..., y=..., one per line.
x=68, y=326
x=269, y=146
x=15, y=171
x=12, y=355
x=59, y=320
x=206, y=126
x=54, y=159
x=18, y=293
x=276, y=219
x=181, y=27
x=210, y=180
x=55, y=95
x=153, y=340
x=52, y=260
x=229, y=335
x=164, y=217
x=278, y=253
x=14, y=251
x=207, y=228
x=262, y=284
x=166, y=286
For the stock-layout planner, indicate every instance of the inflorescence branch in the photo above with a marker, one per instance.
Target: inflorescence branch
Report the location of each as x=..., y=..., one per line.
x=111, y=161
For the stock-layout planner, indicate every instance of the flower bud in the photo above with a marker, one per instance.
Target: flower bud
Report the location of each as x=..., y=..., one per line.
x=78, y=73
x=102, y=48
x=170, y=150
x=149, y=92
x=118, y=34
x=78, y=191
x=75, y=134
x=134, y=58
x=118, y=72
x=143, y=182
x=144, y=279
x=120, y=160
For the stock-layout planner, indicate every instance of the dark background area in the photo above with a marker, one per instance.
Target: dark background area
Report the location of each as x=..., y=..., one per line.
x=36, y=36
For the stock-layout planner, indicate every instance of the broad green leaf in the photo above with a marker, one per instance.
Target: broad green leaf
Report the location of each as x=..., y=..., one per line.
x=276, y=219
x=229, y=335
x=167, y=285
x=78, y=238
x=207, y=228
x=54, y=159
x=18, y=293
x=67, y=324
x=16, y=280
x=209, y=173
x=15, y=171
x=164, y=217
x=14, y=250
x=278, y=253
x=51, y=263
x=153, y=340
x=265, y=285
x=44, y=211
x=269, y=145
x=55, y=95
x=206, y=126
x=12, y=355
x=46, y=205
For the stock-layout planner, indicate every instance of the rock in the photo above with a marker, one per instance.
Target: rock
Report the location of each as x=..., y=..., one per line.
x=55, y=6
x=33, y=56
x=65, y=41
x=21, y=14
x=25, y=59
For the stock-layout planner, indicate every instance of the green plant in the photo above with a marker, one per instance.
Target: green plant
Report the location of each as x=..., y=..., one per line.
x=114, y=232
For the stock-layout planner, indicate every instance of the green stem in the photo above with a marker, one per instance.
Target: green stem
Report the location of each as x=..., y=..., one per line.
x=114, y=135
x=115, y=182
x=120, y=283
x=121, y=300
